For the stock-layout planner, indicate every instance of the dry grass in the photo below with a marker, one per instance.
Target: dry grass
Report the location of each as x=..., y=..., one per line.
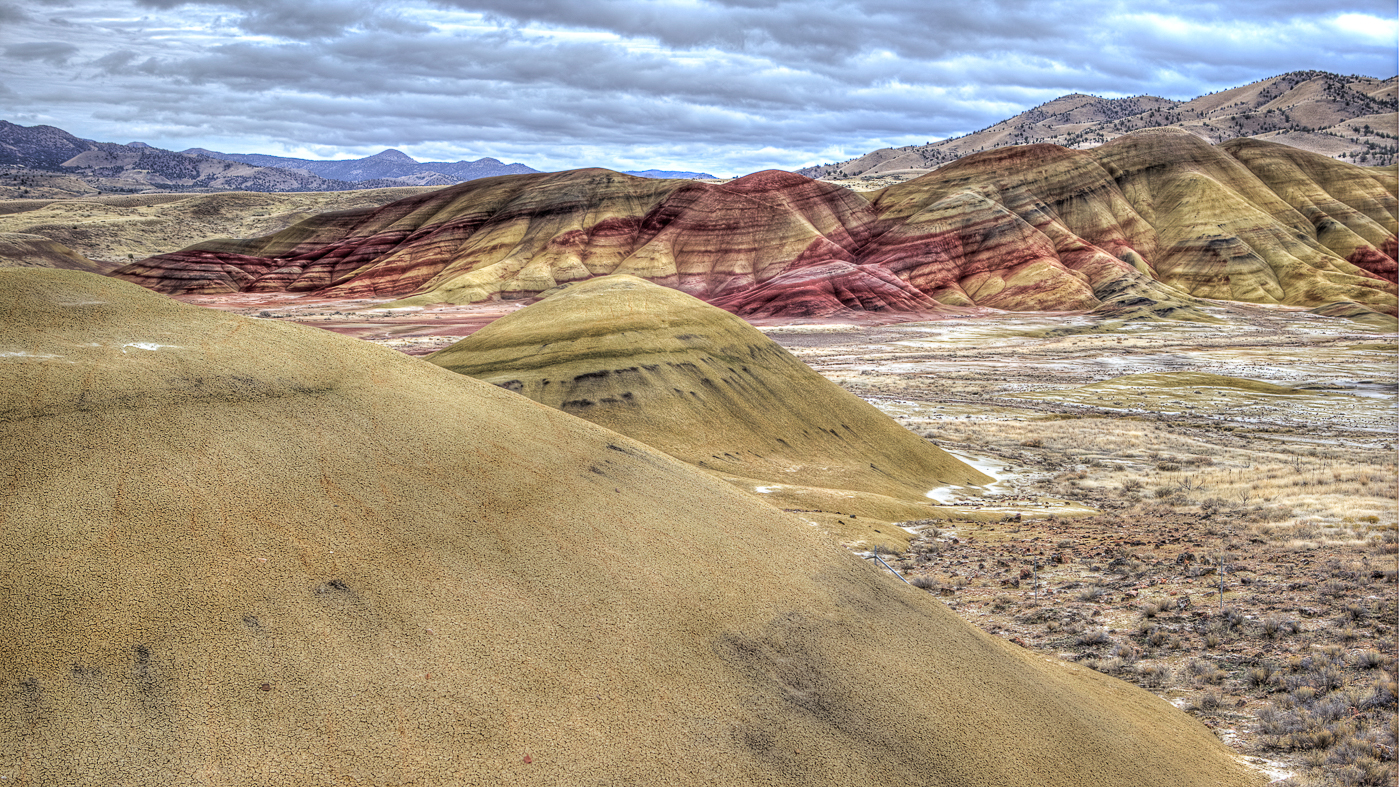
x=1280, y=491
x=1295, y=660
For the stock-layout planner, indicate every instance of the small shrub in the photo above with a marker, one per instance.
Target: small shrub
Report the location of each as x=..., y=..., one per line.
x=1330, y=678
x=1213, y=504
x=1259, y=676
x=1369, y=659
x=1363, y=772
x=1381, y=696
x=1155, y=675
x=1331, y=708
x=1279, y=627
x=1110, y=666
x=1311, y=739
x=1335, y=587
x=1303, y=695
x=1198, y=667
x=1093, y=639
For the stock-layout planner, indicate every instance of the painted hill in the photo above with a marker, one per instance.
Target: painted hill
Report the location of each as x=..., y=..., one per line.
x=1143, y=224
x=265, y=554
x=520, y=236
x=1349, y=118
x=1041, y=226
x=705, y=387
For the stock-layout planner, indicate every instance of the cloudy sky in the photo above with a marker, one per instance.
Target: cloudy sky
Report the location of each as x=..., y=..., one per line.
x=724, y=86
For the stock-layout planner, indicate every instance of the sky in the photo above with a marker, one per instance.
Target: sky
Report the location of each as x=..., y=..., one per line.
x=721, y=86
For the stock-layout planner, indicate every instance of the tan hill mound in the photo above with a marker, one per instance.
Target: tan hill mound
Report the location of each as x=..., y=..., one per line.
x=1349, y=118
x=705, y=387
x=1136, y=228
x=119, y=228
x=23, y=250
x=248, y=552
x=1384, y=323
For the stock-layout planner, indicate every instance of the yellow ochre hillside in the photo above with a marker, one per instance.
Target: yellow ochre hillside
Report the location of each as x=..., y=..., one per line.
x=238, y=552
x=706, y=387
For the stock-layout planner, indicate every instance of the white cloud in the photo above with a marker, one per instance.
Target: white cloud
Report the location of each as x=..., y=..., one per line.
x=1374, y=30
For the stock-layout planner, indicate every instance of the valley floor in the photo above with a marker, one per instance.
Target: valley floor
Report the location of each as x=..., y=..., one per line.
x=1243, y=563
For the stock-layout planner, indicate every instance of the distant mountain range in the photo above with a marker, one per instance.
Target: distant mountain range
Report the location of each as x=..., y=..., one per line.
x=398, y=165
x=387, y=164
x=48, y=162
x=1349, y=118
x=137, y=167
x=667, y=174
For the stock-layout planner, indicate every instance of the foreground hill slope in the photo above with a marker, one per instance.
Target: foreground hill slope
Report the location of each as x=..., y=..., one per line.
x=247, y=552
x=701, y=385
x=1147, y=221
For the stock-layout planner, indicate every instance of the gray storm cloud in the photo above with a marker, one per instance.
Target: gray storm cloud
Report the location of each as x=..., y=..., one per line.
x=55, y=53
x=720, y=85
